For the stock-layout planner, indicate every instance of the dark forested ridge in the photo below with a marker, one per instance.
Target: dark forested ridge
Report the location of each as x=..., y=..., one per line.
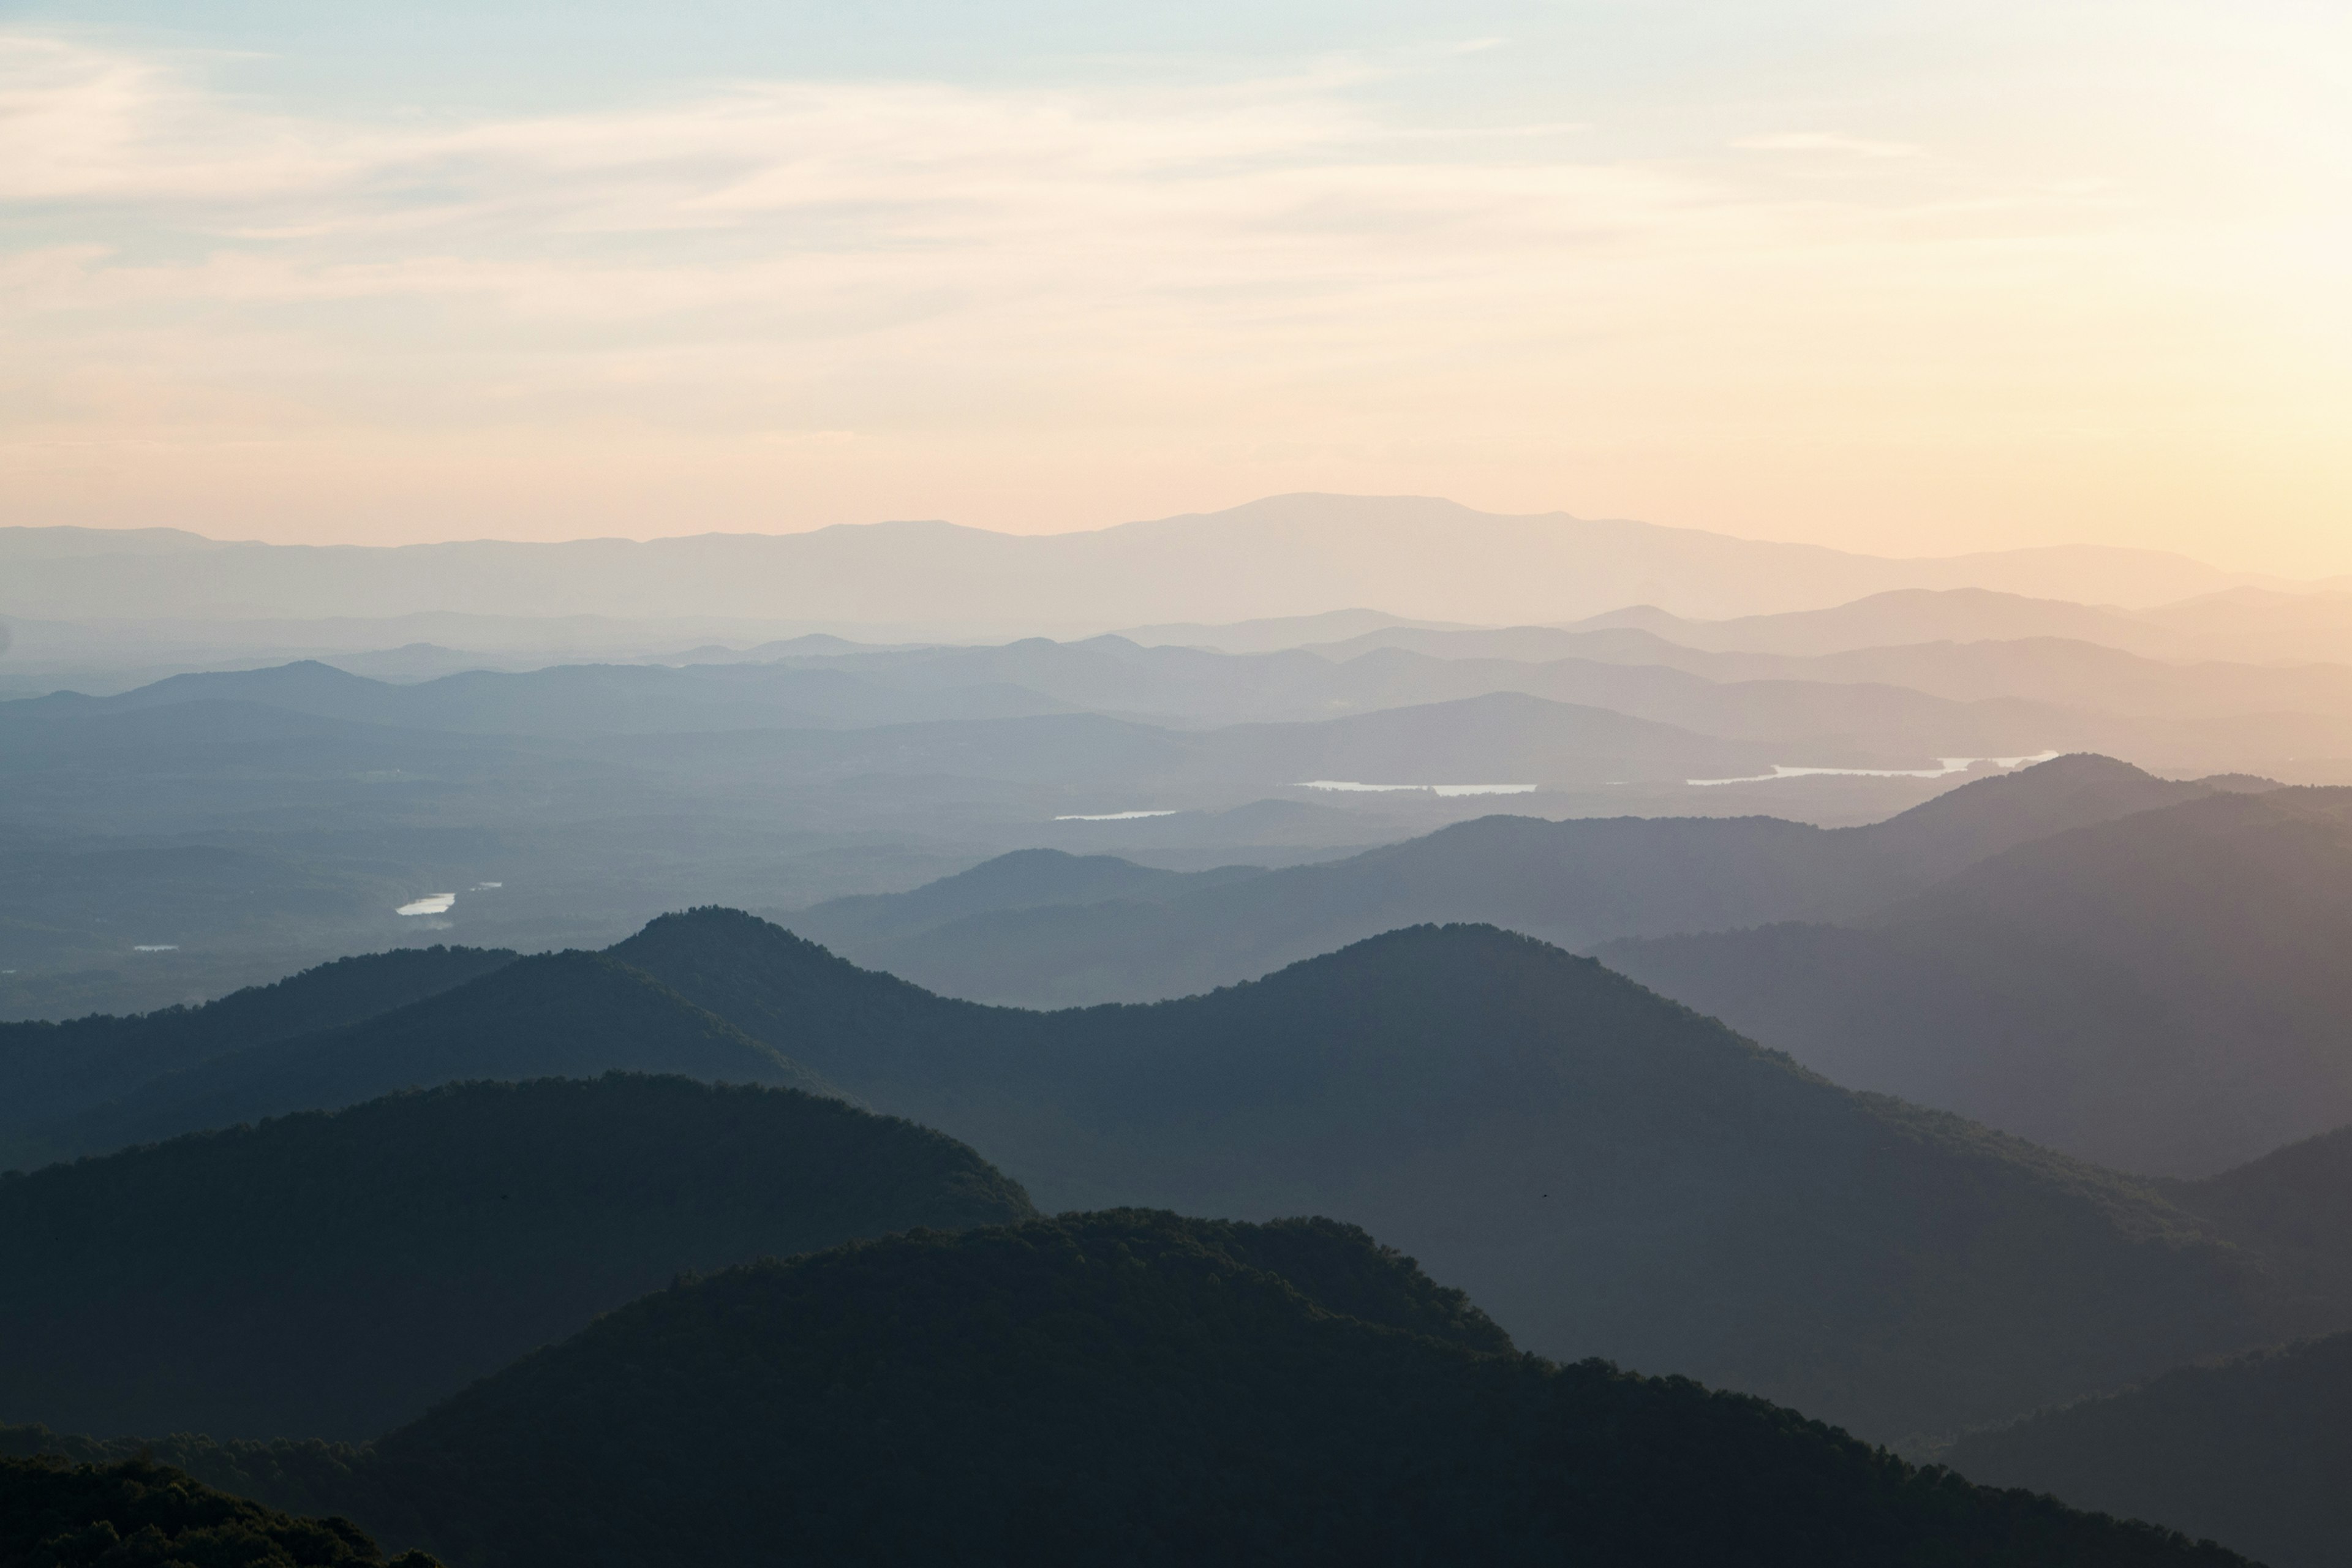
x=2255, y=1451
x=1102, y=937
x=134, y=1512
x=2164, y=993
x=568, y=1014
x=330, y=1275
x=1604, y=1170
x=53, y=1070
x=1139, y=1388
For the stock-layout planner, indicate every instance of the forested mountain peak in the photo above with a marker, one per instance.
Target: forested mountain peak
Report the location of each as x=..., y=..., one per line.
x=1569, y=1146
x=1138, y=1386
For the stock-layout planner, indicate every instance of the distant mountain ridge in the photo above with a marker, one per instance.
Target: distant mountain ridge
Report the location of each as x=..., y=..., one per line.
x=1577, y=883
x=1415, y=557
x=2164, y=992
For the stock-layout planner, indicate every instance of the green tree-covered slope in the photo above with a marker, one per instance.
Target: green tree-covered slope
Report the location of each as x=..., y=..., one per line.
x=332, y=1275
x=134, y=1511
x=1141, y=1388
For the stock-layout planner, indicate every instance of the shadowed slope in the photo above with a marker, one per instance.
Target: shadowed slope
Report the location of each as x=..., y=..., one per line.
x=1141, y=1388
x=568, y=1015
x=135, y=1510
x=2254, y=1451
x=50, y=1070
x=332, y=1275
x=1606, y=1172
x=2166, y=991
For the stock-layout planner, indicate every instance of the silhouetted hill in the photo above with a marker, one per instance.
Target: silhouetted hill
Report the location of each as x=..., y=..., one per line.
x=1575, y=883
x=1141, y=1388
x=51, y=1070
x=570, y=1015
x=335, y=1274
x=2166, y=992
x=1606, y=1172
x=53, y=1515
x=2253, y=1452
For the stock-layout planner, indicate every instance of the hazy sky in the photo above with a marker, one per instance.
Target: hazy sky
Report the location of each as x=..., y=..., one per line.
x=1904, y=278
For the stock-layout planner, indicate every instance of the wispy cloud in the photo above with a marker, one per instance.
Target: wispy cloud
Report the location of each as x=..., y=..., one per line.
x=1823, y=141
x=757, y=193
x=1028, y=303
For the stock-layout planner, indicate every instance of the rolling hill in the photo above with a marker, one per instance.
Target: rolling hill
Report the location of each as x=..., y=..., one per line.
x=52, y=1070
x=2165, y=991
x=2253, y=1451
x=1137, y=1387
x=1607, y=1172
x=1576, y=883
x=333, y=1275
x=570, y=1014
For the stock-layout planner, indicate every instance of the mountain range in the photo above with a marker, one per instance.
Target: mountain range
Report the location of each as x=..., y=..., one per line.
x=1284, y=555
x=1040, y=929
x=1572, y=1149
x=1137, y=1387
x=2163, y=992
x=50, y=1070
x=572, y=1014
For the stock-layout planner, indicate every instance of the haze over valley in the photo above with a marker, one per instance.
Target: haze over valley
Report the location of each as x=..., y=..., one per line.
x=1304, y=786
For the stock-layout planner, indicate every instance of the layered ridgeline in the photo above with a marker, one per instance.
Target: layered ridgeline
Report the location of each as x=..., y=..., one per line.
x=1606, y=1172
x=1139, y=1388
x=1279, y=555
x=332, y=1274
x=1040, y=928
x=54, y=1515
x=2166, y=991
x=571, y=1014
x=53, y=1070
x=2254, y=1451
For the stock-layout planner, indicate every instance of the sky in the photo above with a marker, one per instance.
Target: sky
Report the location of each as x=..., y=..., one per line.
x=1910, y=279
